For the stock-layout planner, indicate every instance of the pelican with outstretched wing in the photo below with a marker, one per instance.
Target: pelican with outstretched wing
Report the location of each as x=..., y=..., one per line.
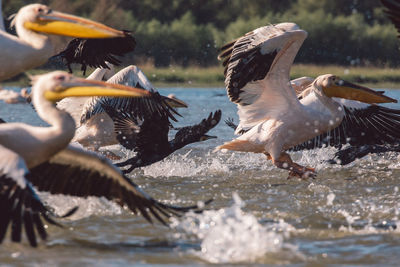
x=367, y=128
x=272, y=118
x=97, y=128
x=33, y=46
x=42, y=157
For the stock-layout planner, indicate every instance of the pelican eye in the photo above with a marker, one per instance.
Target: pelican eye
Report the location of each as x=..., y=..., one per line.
x=60, y=78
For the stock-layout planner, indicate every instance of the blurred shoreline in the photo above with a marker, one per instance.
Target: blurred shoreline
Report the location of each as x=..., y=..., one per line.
x=194, y=76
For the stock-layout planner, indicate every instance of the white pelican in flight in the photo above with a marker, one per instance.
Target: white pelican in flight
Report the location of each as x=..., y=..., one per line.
x=96, y=127
x=367, y=128
x=272, y=118
x=42, y=157
x=33, y=47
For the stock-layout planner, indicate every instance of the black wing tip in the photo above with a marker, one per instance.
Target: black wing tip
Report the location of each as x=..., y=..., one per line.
x=95, y=52
x=23, y=209
x=231, y=123
x=159, y=209
x=184, y=209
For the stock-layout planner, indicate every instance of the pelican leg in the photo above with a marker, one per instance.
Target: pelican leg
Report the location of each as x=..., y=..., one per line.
x=133, y=162
x=295, y=170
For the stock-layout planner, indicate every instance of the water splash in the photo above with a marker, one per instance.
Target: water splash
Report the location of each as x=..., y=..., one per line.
x=231, y=235
x=86, y=206
x=207, y=164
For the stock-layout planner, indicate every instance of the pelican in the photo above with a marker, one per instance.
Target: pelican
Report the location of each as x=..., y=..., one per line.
x=272, y=118
x=97, y=128
x=367, y=128
x=42, y=157
x=74, y=105
x=149, y=137
x=13, y=97
x=33, y=46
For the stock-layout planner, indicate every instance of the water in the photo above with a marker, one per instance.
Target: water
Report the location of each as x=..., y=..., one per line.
x=348, y=215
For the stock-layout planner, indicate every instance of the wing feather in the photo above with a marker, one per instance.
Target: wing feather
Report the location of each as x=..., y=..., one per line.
x=96, y=52
x=19, y=204
x=64, y=172
x=373, y=125
x=393, y=12
x=140, y=107
x=257, y=70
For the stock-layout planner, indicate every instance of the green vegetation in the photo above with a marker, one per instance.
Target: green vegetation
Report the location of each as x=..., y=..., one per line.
x=177, y=34
x=213, y=76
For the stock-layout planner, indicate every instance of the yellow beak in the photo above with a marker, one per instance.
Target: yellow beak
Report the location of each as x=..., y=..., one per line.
x=68, y=25
x=81, y=87
x=352, y=91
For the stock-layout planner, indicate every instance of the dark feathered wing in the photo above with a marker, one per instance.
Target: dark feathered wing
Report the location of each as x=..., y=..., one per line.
x=95, y=52
x=190, y=134
x=19, y=204
x=81, y=173
x=142, y=134
x=151, y=142
x=374, y=125
x=351, y=153
x=393, y=12
x=140, y=107
x=245, y=62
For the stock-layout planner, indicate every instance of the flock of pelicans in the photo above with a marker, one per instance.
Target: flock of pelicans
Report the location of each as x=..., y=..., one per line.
x=276, y=115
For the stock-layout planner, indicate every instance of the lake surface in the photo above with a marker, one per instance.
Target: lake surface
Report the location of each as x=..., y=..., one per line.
x=348, y=215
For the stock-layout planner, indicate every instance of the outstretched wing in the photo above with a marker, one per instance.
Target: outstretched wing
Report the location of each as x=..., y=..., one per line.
x=190, y=134
x=371, y=125
x=96, y=52
x=19, y=204
x=151, y=142
x=256, y=65
x=148, y=135
x=139, y=107
x=143, y=135
x=81, y=173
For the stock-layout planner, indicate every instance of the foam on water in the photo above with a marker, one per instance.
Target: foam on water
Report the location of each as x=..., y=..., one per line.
x=188, y=165
x=232, y=235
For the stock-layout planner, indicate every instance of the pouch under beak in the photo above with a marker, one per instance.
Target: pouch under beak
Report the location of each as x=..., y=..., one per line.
x=347, y=90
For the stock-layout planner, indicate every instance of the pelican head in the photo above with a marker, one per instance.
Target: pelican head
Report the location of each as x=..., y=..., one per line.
x=40, y=18
x=332, y=86
x=57, y=85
